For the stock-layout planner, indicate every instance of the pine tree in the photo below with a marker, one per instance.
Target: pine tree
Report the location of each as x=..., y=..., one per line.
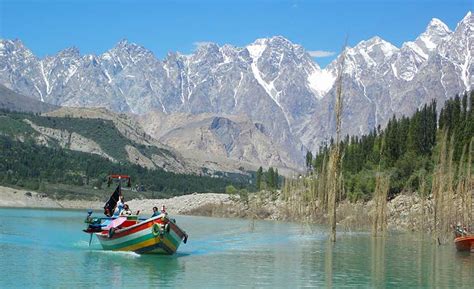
x=258, y=182
x=277, y=179
x=309, y=159
x=270, y=178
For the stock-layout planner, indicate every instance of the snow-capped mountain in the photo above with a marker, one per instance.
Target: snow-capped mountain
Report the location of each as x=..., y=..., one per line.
x=271, y=81
x=381, y=80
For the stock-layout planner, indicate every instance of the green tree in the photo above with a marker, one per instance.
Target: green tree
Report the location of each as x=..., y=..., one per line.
x=271, y=179
x=309, y=159
x=276, y=179
x=230, y=189
x=258, y=182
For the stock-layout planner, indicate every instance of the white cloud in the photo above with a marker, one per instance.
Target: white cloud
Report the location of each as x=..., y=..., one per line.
x=321, y=53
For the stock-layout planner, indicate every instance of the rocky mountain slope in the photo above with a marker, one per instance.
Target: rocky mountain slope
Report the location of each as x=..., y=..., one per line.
x=231, y=140
x=10, y=100
x=272, y=82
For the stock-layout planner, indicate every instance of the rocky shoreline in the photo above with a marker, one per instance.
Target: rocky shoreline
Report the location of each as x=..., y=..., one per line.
x=18, y=198
x=404, y=213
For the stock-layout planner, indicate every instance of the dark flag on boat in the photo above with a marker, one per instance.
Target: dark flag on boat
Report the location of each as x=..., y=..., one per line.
x=109, y=207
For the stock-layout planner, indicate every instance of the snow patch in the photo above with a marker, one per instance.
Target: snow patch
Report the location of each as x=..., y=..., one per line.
x=370, y=62
x=40, y=93
x=388, y=49
x=237, y=88
x=256, y=50
x=417, y=50
x=182, y=86
x=106, y=56
x=394, y=69
x=430, y=45
x=227, y=58
x=269, y=88
x=120, y=62
x=321, y=81
x=108, y=76
x=465, y=75
x=48, y=88
x=167, y=70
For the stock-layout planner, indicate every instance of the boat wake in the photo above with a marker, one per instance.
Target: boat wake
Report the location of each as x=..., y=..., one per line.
x=95, y=248
x=81, y=244
x=126, y=254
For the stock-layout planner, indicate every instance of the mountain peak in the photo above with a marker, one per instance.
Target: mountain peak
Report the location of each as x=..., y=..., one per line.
x=206, y=45
x=130, y=50
x=17, y=43
x=375, y=43
x=122, y=43
x=376, y=40
x=467, y=21
x=71, y=51
x=15, y=46
x=277, y=40
x=437, y=26
x=468, y=17
x=435, y=33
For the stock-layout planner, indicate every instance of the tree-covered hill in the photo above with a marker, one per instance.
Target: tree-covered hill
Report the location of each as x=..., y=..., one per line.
x=404, y=149
x=33, y=160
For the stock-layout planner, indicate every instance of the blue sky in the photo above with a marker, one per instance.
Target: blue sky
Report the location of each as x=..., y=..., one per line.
x=95, y=26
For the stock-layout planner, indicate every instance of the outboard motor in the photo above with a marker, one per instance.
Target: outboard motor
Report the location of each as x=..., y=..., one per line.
x=93, y=223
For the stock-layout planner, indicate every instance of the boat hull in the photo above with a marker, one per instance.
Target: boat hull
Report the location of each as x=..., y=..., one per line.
x=465, y=243
x=148, y=237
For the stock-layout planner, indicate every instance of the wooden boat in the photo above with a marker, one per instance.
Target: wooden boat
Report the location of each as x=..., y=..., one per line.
x=156, y=235
x=464, y=243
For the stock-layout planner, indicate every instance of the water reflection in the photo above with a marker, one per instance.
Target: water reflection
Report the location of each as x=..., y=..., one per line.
x=328, y=263
x=377, y=245
x=154, y=271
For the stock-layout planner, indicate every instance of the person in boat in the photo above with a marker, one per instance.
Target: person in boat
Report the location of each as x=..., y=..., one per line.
x=460, y=231
x=119, y=207
x=163, y=210
x=126, y=211
x=89, y=217
x=155, y=212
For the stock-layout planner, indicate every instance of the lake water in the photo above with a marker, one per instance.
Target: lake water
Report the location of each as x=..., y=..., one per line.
x=46, y=249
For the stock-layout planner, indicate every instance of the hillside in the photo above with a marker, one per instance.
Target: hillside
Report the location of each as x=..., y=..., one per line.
x=37, y=167
x=92, y=135
x=10, y=100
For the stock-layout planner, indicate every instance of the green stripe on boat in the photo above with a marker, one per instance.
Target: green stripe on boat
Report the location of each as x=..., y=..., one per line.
x=136, y=241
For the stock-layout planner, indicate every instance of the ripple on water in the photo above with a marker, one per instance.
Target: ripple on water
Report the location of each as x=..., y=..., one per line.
x=223, y=253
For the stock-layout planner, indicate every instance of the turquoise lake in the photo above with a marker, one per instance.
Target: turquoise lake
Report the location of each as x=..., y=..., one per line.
x=47, y=249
